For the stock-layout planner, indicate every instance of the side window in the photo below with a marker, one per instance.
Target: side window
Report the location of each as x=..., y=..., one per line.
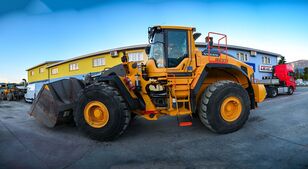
x=157, y=50
x=177, y=47
x=242, y=56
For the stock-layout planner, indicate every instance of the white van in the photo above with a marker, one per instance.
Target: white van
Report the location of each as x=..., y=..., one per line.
x=32, y=91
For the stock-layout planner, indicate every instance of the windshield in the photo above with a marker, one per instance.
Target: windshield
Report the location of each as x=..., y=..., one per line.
x=157, y=49
x=177, y=47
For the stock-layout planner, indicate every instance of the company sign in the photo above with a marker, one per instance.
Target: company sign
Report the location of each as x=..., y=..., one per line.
x=265, y=68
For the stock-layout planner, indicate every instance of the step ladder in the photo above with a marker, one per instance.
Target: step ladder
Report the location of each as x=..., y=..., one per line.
x=183, y=120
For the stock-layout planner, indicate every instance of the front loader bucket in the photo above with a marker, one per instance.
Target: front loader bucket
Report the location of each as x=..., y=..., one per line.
x=55, y=101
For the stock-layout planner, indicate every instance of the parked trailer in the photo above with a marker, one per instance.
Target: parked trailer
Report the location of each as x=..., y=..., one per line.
x=282, y=81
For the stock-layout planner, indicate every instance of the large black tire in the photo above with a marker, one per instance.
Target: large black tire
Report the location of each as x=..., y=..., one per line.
x=119, y=114
x=211, y=101
x=290, y=90
x=272, y=92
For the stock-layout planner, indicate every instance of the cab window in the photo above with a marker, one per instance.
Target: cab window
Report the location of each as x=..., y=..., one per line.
x=157, y=50
x=177, y=47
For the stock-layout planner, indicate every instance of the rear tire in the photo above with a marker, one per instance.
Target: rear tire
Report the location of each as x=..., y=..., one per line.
x=119, y=114
x=290, y=90
x=214, y=97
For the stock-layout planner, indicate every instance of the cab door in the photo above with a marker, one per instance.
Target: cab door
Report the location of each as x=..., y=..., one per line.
x=176, y=50
x=177, y=56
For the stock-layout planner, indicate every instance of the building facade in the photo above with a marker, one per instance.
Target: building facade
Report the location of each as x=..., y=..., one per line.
x=261, y=61
x=79, y=66
x=39, y=73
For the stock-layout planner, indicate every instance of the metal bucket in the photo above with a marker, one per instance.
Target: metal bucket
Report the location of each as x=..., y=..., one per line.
x=55, y=101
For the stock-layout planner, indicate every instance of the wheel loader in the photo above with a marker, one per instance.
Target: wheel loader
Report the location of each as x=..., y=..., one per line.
x=10, y=92
x=177, y=80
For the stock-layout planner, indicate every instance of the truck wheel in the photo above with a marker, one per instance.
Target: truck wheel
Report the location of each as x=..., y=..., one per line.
x=272, y=92
x=102, y=112
x=224, y=106
x=290, y=90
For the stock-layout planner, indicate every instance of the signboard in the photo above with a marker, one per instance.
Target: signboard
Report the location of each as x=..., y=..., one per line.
x=251, y=65
x=265, y=68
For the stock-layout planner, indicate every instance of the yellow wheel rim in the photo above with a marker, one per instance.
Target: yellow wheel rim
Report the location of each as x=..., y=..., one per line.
x=96, y=114
x=231, y=109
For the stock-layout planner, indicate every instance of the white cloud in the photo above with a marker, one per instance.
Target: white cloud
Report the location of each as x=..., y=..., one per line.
x=3, y=80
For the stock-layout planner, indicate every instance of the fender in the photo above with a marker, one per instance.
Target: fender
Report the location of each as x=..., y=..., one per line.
x=204, y=74
x=133, y=103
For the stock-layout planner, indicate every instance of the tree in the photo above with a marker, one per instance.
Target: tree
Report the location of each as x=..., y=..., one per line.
x=297, y=74
x=306, y=73
x=282, y=60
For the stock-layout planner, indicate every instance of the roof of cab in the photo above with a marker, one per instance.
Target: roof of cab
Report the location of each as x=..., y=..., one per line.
x=175, y=27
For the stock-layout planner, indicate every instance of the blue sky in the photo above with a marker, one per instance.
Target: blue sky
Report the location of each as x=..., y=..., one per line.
x=34, y=31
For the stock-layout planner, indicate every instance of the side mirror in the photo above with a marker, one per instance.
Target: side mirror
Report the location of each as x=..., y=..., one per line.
x=196, y=35
x=124, y=58
x=147, y=49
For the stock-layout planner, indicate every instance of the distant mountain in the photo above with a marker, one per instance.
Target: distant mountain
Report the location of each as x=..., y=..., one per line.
x=299, y=64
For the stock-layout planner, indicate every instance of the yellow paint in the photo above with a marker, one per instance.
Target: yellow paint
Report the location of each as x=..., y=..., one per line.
x=85, y=66
x=260, y=92
x=231, y=108
x=96, y=114
x=34, y=74
x=176, y=27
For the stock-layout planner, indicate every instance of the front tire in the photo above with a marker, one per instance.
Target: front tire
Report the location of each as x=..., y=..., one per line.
x=224, y=107
x=102, y=112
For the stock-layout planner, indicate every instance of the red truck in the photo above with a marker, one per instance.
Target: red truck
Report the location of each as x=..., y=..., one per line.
x=282, y=81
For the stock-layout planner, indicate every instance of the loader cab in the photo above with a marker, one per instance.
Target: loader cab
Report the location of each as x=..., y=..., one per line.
x=169, y=47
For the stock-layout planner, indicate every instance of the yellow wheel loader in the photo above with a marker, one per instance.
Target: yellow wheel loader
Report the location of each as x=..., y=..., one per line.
x=10, y=92
x=177, y=80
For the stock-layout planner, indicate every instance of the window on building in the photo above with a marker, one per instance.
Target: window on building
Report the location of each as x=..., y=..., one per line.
x=242, y=56
x=32, y=73
x=266, y=60
x=135, y=56
x=74, y=66
x=98, y=62
x=41, y=70
x=54, y=71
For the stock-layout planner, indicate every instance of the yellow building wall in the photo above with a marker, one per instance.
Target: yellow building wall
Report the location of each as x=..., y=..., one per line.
x=85, y=65
x=37, y=75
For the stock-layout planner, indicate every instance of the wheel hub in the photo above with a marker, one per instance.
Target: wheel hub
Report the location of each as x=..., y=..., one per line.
x=231, y=109
x=96, y=114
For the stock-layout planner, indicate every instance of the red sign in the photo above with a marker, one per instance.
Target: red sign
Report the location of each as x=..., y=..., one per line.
x=265, y=68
